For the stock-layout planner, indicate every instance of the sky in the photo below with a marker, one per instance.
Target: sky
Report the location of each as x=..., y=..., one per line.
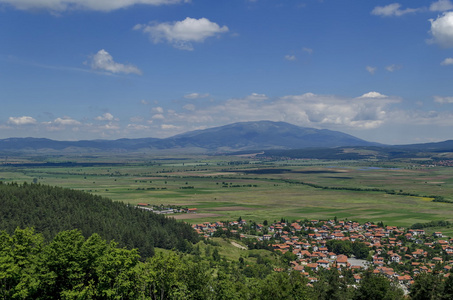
x=108, y=69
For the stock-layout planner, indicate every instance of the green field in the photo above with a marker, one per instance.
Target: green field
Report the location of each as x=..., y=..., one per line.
x=224, y=188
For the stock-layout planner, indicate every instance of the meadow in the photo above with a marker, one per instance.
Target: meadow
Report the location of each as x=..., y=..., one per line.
x=228, y=187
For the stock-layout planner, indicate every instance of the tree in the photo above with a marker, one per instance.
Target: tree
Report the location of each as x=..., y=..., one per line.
x=20, y=259
x=376, y=287
x=448, y=288
x=281, y=285
x=331, y=286
x=427, y=286
x=161, y=276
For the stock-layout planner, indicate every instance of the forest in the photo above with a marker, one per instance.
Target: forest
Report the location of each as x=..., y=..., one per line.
x=50, y=210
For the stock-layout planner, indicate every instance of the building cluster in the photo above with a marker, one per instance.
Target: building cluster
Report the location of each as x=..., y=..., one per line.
x=396, y=253
x=164, y=210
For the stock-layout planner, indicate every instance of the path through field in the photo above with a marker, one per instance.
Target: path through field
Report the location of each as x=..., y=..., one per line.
x=238, y=246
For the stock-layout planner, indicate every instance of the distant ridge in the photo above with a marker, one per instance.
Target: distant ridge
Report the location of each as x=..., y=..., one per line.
x=259, y=135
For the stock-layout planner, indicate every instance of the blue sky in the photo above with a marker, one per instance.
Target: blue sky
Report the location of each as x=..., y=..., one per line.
x=81, y=69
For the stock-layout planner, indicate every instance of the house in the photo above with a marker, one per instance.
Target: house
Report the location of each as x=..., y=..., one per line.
x=313, y=266
x=395, y=258
x=341, y=261
x=323, y=263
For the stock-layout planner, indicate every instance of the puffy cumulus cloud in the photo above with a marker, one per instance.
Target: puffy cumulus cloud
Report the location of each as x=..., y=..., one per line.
x=441, y=5
x=24, y=120
x=97, y=5
x=158, y=117
x=158, y=109
x=105, y=117
x=443, y=100
x=290, y=57
x=66, y=121
x=447, y=61
x=104, y=61
x=392, y=10
x=109, y=126
x=196, y=96
x=373, y=95
x=371, y=69
x=182, y=34
x=322, y=111
x=442, y=30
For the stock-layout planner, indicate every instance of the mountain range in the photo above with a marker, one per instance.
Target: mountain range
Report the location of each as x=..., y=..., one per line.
x=260, y=135
x=243, y=136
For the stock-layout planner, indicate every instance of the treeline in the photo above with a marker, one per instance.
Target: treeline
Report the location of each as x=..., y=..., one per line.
x=358, y=189
x=339, y=153
x=53, y=209
x=440, y=223
x=71, y=266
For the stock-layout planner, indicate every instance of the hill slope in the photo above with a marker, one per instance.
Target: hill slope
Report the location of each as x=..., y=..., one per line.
x=53, y=209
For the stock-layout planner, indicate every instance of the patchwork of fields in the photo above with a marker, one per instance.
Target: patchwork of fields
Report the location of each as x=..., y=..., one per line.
x=225, y=188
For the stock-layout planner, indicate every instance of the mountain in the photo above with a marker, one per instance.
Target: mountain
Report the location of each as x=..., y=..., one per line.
x=260, y=135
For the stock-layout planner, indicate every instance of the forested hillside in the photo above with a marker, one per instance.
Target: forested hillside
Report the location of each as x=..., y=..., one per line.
x=52, y=209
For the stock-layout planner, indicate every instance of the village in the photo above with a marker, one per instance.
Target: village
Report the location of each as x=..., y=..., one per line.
x=397, y=253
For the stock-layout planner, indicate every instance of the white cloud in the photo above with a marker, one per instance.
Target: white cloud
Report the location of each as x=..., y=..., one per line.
x=373, y=95
x=168, y=127
x=158, y=109
x=97, y=5
x=109, y=126
x=441, y=5
x=447, y=61
x=290, y=57
x=442, y=30
x=392, y=10
x=393, y=68
x=66, y=121
x=24, y=120
x=158, y=117
x=256, y=97
x=371, y=110
x=371, y=70
x=443, y=100
x=105, y=117
x=137, y=127
x=196, y=96
x=104, y=61
x=182, y=34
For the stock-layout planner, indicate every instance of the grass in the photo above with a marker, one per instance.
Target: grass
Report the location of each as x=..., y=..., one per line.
x=225, y=188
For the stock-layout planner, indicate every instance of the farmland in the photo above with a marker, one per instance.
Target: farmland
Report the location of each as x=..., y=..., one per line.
x=227, y=187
